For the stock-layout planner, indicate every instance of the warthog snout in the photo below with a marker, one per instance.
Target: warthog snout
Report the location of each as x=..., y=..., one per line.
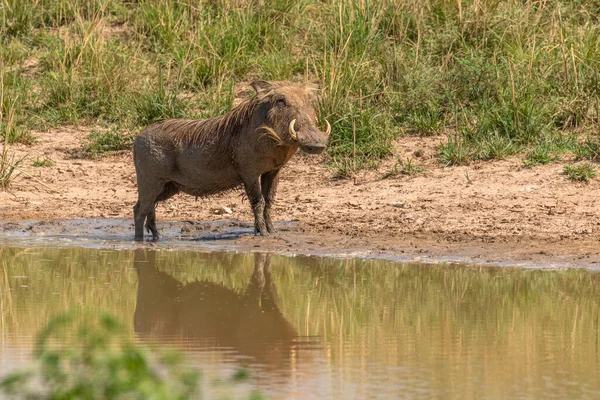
x=310, y=139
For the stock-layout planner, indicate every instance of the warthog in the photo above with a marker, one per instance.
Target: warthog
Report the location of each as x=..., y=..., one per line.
x=247, y=146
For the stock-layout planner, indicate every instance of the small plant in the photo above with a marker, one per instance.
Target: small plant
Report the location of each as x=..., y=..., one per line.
x=17, y=135
x=468, y=178
x=494, y=147
x=83, y=355
x=407, y=168
x=43, y=162
x=424, y=122
x=101, y=143
x=454, y=152
x=539, y=156
x=580, y=173
x=8, y=166
x=589, y=149
x=394, y=170
x=344, y=168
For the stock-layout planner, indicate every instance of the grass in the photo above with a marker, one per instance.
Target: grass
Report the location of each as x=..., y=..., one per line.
x=8, y=167
x=8, y=164
x=104, y=142
x=404, y=167
x=496, y=78
x=589, y=149
x=43, y=162
x=580, y=173
x=539, y=156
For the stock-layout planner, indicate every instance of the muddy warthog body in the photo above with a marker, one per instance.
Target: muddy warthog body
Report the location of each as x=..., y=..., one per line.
x=246, y=147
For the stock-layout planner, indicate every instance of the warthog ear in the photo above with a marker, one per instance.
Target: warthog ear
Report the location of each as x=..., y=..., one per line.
x=261, y=86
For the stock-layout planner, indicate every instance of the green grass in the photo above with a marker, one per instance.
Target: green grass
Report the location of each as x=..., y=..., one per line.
x=43, y=162
x=496, y=78
x=104, y=142
x=589, y=149
x=580, y=173
x=8, y=168
x=404, y=167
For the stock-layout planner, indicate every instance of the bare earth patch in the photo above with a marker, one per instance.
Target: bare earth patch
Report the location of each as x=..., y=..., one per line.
x=494, y=211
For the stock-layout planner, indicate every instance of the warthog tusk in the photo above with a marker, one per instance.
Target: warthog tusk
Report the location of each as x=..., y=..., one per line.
x=328, y=130
x=292, y=130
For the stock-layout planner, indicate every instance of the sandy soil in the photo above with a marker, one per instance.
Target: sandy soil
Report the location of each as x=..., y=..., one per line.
x=491, y=211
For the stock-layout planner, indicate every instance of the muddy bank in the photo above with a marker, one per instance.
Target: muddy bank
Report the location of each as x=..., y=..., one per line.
x=235, y=235
x=496, y=211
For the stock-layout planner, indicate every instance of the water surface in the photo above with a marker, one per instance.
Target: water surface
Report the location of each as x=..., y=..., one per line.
x=310, y=327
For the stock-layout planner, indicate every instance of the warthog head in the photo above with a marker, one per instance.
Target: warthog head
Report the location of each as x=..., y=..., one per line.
x=290, y=116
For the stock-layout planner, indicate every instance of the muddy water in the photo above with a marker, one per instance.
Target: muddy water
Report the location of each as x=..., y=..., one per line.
x=325, y=328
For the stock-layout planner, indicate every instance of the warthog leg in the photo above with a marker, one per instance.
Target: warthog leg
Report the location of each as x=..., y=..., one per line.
x=257, y=201
x=144, y=208
x=151, y=223
x=148, y=196
x=168, y=191
x=269, y=182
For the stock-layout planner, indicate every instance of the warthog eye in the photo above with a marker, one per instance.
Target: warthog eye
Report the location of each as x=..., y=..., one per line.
x=281, y=102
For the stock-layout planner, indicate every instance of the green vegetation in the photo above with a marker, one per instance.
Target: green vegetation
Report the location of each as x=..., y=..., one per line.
x=43, y=162
x=580, y=173
x=100, y=143
x=589, y=149
x=498, y=78
x=87, y=355
x=8, y=165
x=404, y=168
x=82, y=356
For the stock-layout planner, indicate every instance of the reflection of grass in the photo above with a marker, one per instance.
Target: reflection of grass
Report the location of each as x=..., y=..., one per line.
x=427, y=317
x=46, y=282
x=433, y=317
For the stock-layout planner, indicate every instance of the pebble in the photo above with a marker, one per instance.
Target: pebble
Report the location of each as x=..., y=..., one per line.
x=397, y=204
x=222, y=210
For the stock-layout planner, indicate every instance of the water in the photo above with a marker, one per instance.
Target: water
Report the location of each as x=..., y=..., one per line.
x=309, y=327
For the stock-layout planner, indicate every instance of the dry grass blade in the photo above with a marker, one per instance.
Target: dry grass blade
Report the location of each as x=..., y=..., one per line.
x=8, y=167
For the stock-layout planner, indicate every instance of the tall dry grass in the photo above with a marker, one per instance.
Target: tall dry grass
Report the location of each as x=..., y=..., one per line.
x=497, y=78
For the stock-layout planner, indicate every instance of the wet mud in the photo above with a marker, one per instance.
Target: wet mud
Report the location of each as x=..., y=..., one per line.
x=235, y=235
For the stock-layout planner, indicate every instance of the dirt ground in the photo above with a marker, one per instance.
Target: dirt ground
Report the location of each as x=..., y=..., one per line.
x=494, y=211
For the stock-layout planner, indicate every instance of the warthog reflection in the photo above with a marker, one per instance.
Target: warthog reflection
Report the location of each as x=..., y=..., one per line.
x=210, y=315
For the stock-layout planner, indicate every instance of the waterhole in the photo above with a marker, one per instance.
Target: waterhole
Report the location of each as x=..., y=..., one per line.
x=316, y=327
